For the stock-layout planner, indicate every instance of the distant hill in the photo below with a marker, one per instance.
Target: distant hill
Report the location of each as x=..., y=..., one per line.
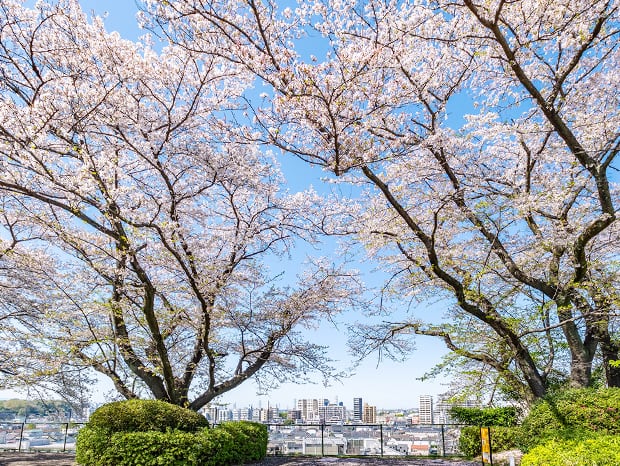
x=11, y=409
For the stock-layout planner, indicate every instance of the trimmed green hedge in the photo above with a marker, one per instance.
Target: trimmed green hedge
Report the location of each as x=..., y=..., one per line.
x=103, y=444
x=485, y=417
x=145, y=415
x=502, y=439
x=602, y=450
x=213, y=447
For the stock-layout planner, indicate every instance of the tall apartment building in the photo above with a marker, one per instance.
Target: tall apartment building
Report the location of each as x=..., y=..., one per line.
x=309, y=409
x=332, y=413
x=369, y=415
x=426, y=409
x=357, y=410
x=224, y=415
x=210, y=412
x=242, y=414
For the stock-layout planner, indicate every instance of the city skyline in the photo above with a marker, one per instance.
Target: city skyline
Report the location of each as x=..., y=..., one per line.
x=313, y=411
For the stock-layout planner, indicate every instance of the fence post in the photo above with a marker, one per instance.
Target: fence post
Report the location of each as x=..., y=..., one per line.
x=381, y=435
x=21, y=436
x=443, y=441
x=322, y=440
x=64, y=445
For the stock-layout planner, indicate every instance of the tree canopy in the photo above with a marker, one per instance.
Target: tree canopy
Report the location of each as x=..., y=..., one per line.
x=481, y=139
x=144, y=228
x=485, y=138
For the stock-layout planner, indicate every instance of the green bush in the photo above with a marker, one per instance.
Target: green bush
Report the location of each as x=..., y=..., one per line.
x=232, y=444
x=504, y=416
x=502, y=439
x=250, y=438
x=91, y=445
x=144, y=416
x=170, y=436
x=573, y=415
x=601, y=450
x=206, y=448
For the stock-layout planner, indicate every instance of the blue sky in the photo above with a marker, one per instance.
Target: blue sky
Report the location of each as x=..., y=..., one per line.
x=386, y=384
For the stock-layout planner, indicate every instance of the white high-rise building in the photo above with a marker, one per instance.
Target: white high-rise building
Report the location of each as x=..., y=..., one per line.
x=426, y=409
x=224, y=415
x=333, y=413
x=309, y=409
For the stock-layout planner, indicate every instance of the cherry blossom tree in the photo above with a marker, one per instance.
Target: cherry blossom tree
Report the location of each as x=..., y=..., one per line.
x=157, y=225
x=483, y=136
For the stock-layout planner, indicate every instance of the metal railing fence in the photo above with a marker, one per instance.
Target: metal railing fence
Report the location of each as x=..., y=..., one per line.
x=364, y=440
x=295, y=439
x=39, y=436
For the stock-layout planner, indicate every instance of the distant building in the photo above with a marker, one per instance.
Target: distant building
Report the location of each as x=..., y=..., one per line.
x=242, y=414
x=370, y=414
x=357, y=410
x=332, y=413
x=294, y=415
x=273, y=414
x=324, y=446
x=426, y=409
x=309, y=409
x=210, y=412
x=224, y=415
x=442, y=412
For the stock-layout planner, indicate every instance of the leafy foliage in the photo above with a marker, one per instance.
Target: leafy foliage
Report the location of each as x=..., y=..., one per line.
x=145, y=415
x=251, y=438
x=601, y=450
x=571, y=414
x=157, y=438
x=91, y=445
x=501, y=416
x=502, y=439
x=206, y=447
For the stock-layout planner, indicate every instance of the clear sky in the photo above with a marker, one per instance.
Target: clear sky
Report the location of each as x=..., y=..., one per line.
x=385, y=384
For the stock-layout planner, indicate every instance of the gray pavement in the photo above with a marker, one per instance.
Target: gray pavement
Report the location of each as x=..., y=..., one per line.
x=329, y=461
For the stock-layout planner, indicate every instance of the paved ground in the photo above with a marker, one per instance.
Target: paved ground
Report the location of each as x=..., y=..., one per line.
x=64, y=459
x=362, y=461
x=36, y=459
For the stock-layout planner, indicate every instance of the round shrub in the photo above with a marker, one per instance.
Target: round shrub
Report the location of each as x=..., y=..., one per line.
x=601, y=450
x=145, y=415
x=93, y=441
x=572, y=414
x=234, y=443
